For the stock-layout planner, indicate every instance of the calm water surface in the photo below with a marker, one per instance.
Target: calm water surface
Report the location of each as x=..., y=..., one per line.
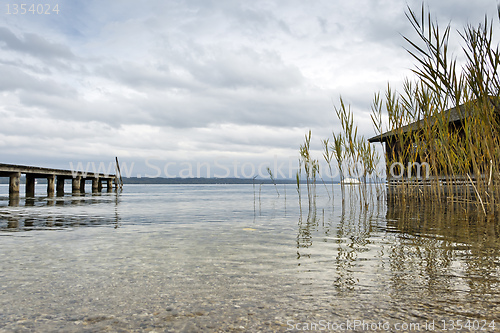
x=169, y=258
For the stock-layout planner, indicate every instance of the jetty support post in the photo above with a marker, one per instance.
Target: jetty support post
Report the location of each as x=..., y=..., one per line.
x=30, y=185
x=109, y=185
x=82, y=184
x=14, y=180
x=51, y=185
x=14, y=200
x=75, y=184
x=60, y=186
x=95, y=185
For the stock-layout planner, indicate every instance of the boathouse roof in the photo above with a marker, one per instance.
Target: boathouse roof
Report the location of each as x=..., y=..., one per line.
x=454, y=115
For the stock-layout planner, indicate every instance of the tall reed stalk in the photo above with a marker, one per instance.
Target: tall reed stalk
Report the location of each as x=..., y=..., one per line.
x=328, y=156
x=297, y=177
x=311, y=168
x=273, y=180
x=353, y=154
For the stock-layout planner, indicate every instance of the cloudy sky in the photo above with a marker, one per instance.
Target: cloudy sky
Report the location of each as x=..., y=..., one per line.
x=173, y=81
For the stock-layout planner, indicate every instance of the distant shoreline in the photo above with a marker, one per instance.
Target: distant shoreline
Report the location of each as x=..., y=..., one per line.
x=199, y=181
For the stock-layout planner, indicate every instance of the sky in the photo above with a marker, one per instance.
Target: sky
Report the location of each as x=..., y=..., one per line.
x=198, y=87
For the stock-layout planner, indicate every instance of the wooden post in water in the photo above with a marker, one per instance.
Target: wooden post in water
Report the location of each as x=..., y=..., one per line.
x=82, y=184
x=99, y=185
x=14, y=200
x=60, y=186
x=75, y=184
x=14, y=179
x=95, y=185
x=109, y=185
x=51, y=185
x=30, y=185
x=118, y=174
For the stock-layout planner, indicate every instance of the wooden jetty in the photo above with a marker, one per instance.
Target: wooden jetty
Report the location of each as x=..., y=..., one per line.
x=55, y=179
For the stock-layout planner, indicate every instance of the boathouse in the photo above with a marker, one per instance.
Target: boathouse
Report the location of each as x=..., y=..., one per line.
x=402, y=144
x=399, y=141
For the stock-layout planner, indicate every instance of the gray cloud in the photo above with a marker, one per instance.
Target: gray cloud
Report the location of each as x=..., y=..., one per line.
x=33, y=44
x=195, y=77
x=140, y=76
x=247, y=68
x=13, y=78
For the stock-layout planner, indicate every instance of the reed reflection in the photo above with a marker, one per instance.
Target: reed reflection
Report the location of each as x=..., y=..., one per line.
x=349, y=227
x=409, y=250
x=357, y=223
x=442, y=249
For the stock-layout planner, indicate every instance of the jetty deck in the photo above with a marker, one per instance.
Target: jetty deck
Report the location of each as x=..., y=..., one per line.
x=55, y=179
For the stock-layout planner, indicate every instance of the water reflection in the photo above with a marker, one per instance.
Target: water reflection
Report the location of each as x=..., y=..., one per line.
x=14, y=221
x=353, y=237
x=452, y=246
x=407, y=249
x=346, y=227
x=188, y=250
x=54, y=213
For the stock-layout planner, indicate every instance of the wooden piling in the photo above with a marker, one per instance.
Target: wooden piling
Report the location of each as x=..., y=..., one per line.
x=95, y=185
x=14, y=200
x=75, y=184
x=82, y=185
x=14, y=180
x=118, y=181
x=30, y=186
x=60, y=185
x=51, y=182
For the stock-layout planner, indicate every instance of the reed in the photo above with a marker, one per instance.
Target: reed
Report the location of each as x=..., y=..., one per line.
x=297, y=177
x=447, y=117
x=253, y=185
x=354, y=154
x=328, y=156
x=273, y=180
x=311, y=168
x=463, y=156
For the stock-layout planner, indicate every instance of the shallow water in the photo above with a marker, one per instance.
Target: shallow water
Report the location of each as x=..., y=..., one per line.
x=218, y=258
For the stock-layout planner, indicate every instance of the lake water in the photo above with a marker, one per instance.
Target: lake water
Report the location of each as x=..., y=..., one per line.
x=224, y=258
